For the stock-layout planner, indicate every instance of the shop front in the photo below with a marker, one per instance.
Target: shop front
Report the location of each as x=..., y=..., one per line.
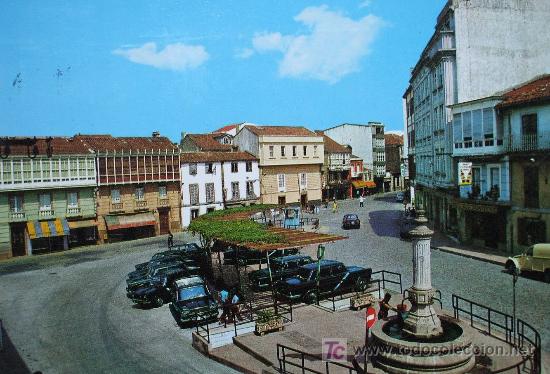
x=83, y=232
x=362, y=188
x=483, y=224
x=130, y=226
x=47, y=236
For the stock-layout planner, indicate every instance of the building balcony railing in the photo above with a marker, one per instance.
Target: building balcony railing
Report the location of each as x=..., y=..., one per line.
x=117, y=207
x=527, y=143
x=163, y=201
x=73, y=211
x=45, y=213
x=17, y=215
x=336, y=167
x=140, y=204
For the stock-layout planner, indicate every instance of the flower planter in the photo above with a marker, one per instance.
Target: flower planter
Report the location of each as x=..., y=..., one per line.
x=272, y=325
x=361, y=300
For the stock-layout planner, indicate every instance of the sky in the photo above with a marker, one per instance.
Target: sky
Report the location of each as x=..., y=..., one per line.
x=130, y=68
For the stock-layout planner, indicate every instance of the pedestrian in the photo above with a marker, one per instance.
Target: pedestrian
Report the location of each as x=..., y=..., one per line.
x=170, y=239
x=361, y=201
x=224, y=300
x=334, y=206
x=385, y=307
x=235, y=305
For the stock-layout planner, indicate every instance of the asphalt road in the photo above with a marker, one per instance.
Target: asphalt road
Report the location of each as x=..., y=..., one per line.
x=67, y=312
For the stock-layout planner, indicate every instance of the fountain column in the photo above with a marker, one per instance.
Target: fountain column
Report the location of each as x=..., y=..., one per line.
x=422, y=321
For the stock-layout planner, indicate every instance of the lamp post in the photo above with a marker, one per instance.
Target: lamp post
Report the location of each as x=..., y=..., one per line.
x=515, y=276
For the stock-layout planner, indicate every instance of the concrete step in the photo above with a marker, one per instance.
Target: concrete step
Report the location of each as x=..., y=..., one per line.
x=224, y=335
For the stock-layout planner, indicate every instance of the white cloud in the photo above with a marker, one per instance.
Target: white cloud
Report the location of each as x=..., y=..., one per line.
x=177, y=56
x=365, y=3
x=333, y=47
x=244, y=53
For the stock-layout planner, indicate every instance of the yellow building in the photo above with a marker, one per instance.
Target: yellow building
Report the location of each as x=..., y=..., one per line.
x=291, y=159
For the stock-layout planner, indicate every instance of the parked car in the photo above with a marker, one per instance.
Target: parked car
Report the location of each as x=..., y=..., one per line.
x=400, y=197
x=281, y=268
x=248, y=257
x=351, y=221
x=153, y=274
x=193, y=301
x=159, y=289
x=145, y=267
x=535, y=259
x=334, y=279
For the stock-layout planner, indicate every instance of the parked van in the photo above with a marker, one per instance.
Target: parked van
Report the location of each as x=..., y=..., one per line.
x=536, y=258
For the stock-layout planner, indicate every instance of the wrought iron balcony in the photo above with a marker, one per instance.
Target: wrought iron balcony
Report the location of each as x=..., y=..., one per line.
x=527, y=143
x=163, y=201
x=116, y=207
x=43, y=213
x=17, y=215
x=73, y=211
x=140, y=204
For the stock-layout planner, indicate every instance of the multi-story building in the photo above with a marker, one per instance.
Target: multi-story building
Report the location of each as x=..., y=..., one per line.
x=336, y=169
x=479, y=47
x=215, y=180
x=394, y=156
x=218, y=142
x=138, y=185
x=505, y=139
x=367, y=142
x=358, y=185
x=46, y=195
x=290, y=160
x=409, y=142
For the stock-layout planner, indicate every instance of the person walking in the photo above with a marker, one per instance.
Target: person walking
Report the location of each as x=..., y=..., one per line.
x=170, y=239
x=361, y=201
x=334, y=206
x=235, y=306
x=224, y=300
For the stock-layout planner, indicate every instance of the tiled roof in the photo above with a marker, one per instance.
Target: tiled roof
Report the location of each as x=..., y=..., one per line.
x=59, y=146
x=354, y=157
x=187, y=157
x=393, y=139
x=103, y=143
x=535, y=91
x=208, y=142
x=331, y=146
x=226, y=128
x=281, y=131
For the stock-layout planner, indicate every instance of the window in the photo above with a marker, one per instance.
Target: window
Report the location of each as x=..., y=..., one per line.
x=477, y=128
x=250, y=190
x=192, y=169
x=139, y=193
x=72, y=199
x=162, y=192
x=271, y=151
x=194, y=213
x=314, y=151
x=234, y=167
x=494, y=172
x=16, y=203
x=488, y=134
x=235, y=194
x=529, y=124
x=194, y=194
x=283, y=151
x=282, y=184
x=303, y=180
x=115, y=196
x=45, y=201
x=294, y=151
x=305, y=150
x=209, y=168
x=210, y=194
x=249, y=166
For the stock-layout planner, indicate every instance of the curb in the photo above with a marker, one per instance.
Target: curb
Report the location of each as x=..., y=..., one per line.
x=468, y=255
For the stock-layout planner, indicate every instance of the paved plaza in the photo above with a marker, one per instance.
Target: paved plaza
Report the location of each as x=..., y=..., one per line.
x=67, y=312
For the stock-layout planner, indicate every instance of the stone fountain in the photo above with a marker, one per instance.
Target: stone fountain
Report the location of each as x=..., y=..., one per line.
x=424, y=342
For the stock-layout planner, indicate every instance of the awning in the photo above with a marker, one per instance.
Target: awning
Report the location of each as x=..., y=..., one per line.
x=363, y=184
x=129, y=221
x=45, y=229
x=82, y=224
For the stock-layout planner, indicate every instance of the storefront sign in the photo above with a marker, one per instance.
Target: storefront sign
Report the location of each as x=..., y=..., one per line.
x=464, y=173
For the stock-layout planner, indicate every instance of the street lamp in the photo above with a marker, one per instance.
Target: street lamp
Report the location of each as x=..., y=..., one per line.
x=515, y=275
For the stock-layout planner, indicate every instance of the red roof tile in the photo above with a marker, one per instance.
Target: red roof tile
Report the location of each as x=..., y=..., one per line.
x=226, y=128
x=208, y=143
x=187, y=157
x=393, y=139
x=535, y=91
x=281, y=131
x=103, y=143
x=59, y=146
x=331, y=146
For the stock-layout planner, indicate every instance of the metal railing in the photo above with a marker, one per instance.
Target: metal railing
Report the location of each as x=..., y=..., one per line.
x=386, y=276
x=285, y=361
x=531, y=142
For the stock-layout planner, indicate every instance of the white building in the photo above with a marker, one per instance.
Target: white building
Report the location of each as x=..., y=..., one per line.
x=367, y=142
x=214, y=180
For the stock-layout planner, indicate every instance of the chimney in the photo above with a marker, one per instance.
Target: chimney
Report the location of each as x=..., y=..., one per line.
x=156, y=134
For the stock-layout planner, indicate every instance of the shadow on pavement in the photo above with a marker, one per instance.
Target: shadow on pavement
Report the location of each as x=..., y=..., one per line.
x=390, y=198
x=385, y=222
x=10, y=359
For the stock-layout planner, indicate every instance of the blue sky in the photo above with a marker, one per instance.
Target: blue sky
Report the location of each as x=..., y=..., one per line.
x=128, y=68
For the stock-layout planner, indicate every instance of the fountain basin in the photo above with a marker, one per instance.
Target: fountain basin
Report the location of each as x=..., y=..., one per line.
x=451, y=352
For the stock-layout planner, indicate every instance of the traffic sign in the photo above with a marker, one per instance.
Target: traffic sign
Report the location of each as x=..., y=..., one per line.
x=371, y=317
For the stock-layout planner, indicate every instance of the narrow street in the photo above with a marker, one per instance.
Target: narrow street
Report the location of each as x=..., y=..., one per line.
x=68, y=313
